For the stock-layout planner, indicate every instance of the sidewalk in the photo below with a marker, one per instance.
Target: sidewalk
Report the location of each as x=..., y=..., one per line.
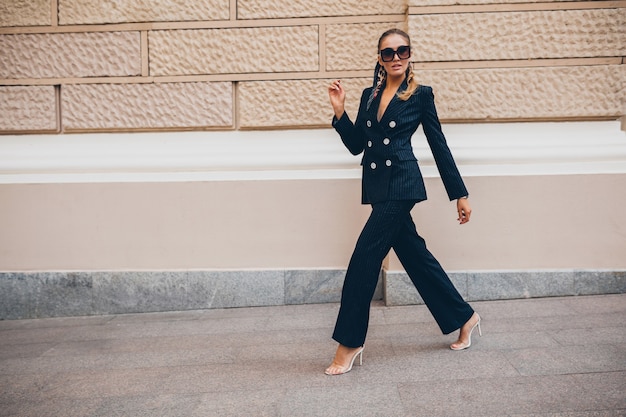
x=537, y=357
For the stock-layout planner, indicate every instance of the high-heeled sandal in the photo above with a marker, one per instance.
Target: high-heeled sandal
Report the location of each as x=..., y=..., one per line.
x=358, y=353
x=469, y=340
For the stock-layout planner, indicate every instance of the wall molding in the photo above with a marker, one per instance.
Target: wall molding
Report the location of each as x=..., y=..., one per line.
x=489, y=149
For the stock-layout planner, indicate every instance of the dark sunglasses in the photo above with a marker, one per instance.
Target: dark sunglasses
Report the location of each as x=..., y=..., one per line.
x=403, y=52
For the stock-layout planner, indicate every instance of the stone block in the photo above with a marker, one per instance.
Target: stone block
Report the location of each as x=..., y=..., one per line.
x=25, y=13
x=293, y=102
x=263, y=9
x=354, y=46
x=317, y=286
x=86, y=12
x=519, y=284
x=234, y=51
x=28, y=108
x=247, y=288
x=599, y=282
x=33, y=295
x=399, y=289
x=527, y=93
x=313, y=286
x=147, y=106
x=100, y=54
x=127, y=292
x=519, y=35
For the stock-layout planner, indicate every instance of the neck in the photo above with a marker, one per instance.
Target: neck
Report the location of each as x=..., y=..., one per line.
x=395, y=82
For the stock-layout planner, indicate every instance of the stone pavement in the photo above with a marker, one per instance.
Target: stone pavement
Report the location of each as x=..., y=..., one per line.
x=537, y=357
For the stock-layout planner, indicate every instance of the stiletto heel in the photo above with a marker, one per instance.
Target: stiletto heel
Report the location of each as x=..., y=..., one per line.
x=462, y=346
x=358, y=353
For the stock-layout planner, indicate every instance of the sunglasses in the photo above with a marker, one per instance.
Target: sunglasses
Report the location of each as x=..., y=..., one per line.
x=403, y=52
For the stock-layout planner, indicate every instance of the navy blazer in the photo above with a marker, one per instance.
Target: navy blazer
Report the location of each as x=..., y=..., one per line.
x=390, y=168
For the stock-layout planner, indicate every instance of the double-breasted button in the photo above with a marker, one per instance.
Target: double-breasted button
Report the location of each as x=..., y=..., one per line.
x=392, y=124
x=388, y=162
x=369, y=123
x=369, y=143
x=386, y=141
x=373, y=165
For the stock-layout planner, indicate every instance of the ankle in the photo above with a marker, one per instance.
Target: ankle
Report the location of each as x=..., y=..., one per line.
x=343, y=351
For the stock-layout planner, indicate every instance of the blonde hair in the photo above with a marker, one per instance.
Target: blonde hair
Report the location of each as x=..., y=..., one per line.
x=410, y=76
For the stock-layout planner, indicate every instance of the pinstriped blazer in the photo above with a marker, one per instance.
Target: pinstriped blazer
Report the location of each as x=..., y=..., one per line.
x=390, y=168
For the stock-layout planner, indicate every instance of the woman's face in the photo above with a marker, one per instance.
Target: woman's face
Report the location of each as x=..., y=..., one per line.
x=396, y=67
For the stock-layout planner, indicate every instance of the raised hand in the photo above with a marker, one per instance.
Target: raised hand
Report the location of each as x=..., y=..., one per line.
x=337, y=96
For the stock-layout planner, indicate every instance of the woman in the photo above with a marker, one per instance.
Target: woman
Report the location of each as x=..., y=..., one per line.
x=389, y=113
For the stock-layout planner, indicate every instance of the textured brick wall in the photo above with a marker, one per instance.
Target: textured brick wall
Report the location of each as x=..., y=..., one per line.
x=107, y=65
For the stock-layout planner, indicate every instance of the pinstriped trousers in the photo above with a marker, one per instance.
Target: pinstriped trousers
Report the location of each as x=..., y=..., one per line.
x=390, y=226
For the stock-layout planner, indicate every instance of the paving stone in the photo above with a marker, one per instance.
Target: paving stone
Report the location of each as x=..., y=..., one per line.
x=148, y=406
x=259, y=402
x=568, y=359
x=549, y=357
x=494, y=396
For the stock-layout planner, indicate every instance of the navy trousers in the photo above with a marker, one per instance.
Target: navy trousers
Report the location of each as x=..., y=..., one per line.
x=390, y=226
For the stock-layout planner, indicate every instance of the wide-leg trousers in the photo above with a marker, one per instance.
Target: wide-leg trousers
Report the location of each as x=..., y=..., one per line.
x=390, y=225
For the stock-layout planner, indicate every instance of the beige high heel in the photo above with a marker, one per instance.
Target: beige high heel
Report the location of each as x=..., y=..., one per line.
x=358, y=353
x=462, y=346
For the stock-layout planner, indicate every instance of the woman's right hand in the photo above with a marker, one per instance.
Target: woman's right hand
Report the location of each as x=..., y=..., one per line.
x=337, y=97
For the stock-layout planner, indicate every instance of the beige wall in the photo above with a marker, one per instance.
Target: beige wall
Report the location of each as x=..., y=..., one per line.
x=81, y=66
x=528, y=222
x=522, y=222
x=205, y=225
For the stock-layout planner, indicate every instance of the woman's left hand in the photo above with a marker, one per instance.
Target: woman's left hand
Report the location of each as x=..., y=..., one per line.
x=464, y=209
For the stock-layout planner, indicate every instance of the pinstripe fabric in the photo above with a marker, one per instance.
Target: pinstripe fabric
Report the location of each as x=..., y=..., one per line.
x=390, y=225
x=390, y=169
x=392, y=183
x=373, y=245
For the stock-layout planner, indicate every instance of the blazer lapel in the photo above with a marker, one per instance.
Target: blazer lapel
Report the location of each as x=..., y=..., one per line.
x=393, y=105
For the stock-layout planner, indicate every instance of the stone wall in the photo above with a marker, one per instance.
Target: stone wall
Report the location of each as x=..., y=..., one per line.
x=238, y=191
x=91, y=66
